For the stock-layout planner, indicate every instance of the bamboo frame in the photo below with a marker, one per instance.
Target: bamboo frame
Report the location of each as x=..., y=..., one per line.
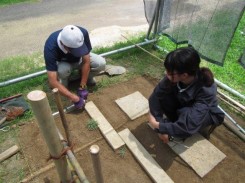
x=94, y=151
x=43, y=114
x=62, y=115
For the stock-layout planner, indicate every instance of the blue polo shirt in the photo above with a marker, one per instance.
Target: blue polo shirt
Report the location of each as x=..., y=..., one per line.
x=53, y=54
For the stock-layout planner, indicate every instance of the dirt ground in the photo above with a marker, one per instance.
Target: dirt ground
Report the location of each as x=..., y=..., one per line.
x=117, y=169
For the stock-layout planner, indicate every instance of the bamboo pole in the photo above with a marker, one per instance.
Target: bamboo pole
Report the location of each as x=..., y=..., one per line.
x=37, y=173
x=142, y=48
x=94, y=151
x=42, y=111
x=74, y=161
x=231, y=100
x=62, y=115
x=73, y=173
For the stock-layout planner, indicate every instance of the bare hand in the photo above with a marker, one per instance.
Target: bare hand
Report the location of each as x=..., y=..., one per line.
x=153, y=122
x=164, y=138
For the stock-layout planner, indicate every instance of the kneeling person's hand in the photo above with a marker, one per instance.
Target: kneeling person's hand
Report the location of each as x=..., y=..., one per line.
x=164, y=137
x=80, y=104
x=83, y=93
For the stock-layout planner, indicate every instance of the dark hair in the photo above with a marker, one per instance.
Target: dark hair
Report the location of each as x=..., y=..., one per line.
x=187, y=60
x=183, y=60
x=206, y=76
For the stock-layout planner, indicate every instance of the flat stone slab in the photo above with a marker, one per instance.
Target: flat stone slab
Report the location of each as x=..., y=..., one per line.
x=145, y=159
x=199, y=153
x=134, y=105
x=105, y=127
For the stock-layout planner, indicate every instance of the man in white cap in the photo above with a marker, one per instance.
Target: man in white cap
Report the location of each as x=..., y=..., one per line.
x=69, y=49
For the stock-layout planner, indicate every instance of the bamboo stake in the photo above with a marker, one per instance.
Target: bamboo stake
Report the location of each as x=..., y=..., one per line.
x=142, y=48
x=62, y=115
x=73, y=173
x=37, y=173
x=48, y=167
x=9, y=98
x=94, y=150
x=233, y=101
x=74, y=161
x=42, y=111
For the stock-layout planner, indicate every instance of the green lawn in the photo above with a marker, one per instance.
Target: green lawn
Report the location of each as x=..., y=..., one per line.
x=10, y=2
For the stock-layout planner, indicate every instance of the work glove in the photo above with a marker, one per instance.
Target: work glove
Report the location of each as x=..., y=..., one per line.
x=80, y=104
x=83, y=93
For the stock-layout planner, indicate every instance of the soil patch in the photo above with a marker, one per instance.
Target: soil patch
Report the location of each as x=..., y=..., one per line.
x=119, y=169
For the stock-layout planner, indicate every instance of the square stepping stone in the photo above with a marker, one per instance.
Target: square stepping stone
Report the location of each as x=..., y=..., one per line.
x=200, y=154
x=134, y=105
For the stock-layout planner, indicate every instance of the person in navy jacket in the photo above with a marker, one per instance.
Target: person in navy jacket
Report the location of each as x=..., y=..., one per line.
x=68, y=49
x=184, y=102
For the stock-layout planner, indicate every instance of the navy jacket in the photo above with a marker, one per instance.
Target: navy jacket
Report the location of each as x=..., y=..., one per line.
x=187, y=110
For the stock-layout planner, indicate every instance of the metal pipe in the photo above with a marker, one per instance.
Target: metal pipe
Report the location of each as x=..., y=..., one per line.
x=234, y=129
x=29, y=76
x=157, y=18
x=128, y=47
x=16, y=80
x=233, y=121
x=94, y=151
x=224, y=86
x=151, y=23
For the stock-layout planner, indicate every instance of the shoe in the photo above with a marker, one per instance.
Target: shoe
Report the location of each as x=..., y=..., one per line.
x=206, y=131
x=91, y=82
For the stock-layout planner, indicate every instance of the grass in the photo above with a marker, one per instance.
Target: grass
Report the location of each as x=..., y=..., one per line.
x=122, y=151
x=92, y=125
x=11, y=2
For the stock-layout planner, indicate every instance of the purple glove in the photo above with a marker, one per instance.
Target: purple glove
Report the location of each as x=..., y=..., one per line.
x=80, y=104
x=83, y=93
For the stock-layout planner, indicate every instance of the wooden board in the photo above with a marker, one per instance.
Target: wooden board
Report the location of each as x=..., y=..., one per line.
x=105, y=127
x=145, y=159
x=9, y=152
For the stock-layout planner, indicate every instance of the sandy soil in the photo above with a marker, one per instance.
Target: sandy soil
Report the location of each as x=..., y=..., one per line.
x=117, y=169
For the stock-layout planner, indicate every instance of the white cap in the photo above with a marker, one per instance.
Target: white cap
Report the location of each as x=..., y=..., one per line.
x=71, y=36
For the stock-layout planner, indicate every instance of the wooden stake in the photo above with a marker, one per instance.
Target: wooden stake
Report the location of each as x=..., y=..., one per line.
x=9, y=98
x=9, y=152
x=94, y=150
x=43, y=113
x=62, y=115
